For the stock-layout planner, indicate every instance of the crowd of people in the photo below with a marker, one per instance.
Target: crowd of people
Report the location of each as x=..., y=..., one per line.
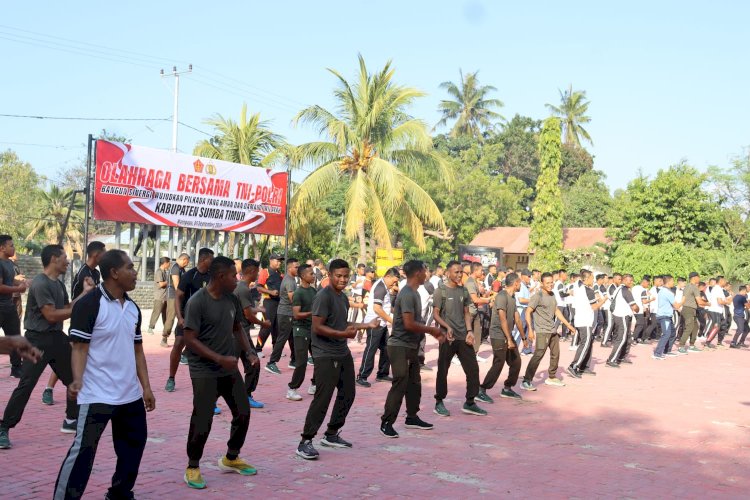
x=317, y=309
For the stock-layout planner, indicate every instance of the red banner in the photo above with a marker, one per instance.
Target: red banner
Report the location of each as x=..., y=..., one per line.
x=153, y=186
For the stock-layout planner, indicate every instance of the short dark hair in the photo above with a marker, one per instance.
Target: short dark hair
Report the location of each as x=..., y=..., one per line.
x=360, y=265
x=600, y=277
x=112, y=259
x=561, y=271
x=95, y=246
x=666, y=277
x=220, y=264
x=475, y=266
x=51, y=251
x=205, y=253
x=303, y=268
x=337, y=264
x=392, y=271
x=183, y=254
x=248, y=263
x=574, y=275
x=627, y=276
x=5, y=238
x=546, y=275
x=618, y=274
x=719, y=277
x=510, y=279
x=317, y=262
x=585, y=273
x=452, y=263
x=702, y=283
x=680, y=279
x=742, y=288
x=291, y=260
x=164, y=260
x=413, y=267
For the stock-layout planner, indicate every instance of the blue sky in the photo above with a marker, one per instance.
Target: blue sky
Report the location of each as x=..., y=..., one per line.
x=667, y=80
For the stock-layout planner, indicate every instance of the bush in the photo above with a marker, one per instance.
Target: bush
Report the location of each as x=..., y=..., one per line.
x=668, y=258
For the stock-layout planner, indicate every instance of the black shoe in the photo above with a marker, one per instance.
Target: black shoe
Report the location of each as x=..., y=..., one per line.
x=573, y=372
x=387, y=378
x=733, y=346
x=626, y=361
x=335, y=441
x=363, y=382
x=15, y=372
x=612, y=365
x=388, y=431
x=417, y=423
x=509, y=393
x=306, y=450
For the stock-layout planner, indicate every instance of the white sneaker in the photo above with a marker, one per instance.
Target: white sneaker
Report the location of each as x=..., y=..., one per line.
x=455, y=361
x=481, y=359
x=311, y=390
x=291, y=366
x=293, y=395
x=573, y=348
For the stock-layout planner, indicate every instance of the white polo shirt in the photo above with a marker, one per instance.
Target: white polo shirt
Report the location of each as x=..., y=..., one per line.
x=713, y=298
x=111, y=329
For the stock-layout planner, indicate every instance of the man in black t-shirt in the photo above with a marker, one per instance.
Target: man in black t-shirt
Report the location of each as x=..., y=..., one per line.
x=176, y=271
x=190, y=282
x=269, y=284
x=334, y=366
x=94, y=252
x=9, y=320
x=302, y=304
x=213, y=334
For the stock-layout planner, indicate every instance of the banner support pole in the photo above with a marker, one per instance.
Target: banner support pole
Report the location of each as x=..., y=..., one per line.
x=288, y=201
x=88, y=196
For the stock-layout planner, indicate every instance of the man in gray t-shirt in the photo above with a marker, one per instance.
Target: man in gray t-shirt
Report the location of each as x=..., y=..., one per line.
x=540, y=317
x=284, y=318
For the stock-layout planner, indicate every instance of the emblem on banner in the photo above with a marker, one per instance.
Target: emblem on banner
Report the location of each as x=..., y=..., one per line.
x=211, y=169
x=198, y=166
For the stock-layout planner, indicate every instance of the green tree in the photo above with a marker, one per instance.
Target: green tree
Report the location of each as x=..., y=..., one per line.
x=545, y=237
x=20, y=186
x=519, y=149
x=469, y=106
x=673, y=207
x=575, y=163
x=374, y=148
x=572, y=111
x=53, y=209
x=587, y=202
x=667, y=258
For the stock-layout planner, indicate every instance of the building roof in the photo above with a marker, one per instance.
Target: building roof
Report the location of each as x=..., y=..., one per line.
x=516, y=239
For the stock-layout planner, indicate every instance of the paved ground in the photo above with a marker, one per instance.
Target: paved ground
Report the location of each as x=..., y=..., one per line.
x=655, y=429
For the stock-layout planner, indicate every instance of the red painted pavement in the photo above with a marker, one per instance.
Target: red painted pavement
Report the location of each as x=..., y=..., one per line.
x=655, y=429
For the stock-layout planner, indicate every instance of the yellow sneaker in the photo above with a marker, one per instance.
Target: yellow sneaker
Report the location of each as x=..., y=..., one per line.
x=194, y=479
x=237, y=465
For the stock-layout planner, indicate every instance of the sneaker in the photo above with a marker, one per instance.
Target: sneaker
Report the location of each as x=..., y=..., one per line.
x=509, y=393
x=291, y=366
x=733, y=346
x=184, y=361
x=272, y=368
x=193, y=478
x=387, y=378
x=69, y=427
x=151, y=331
x=255, y=404
x=335, y=441
x=555, y=382
x=163, y=342
x=573, y=348
x=721, y=346
x=311, y=390
x=363, y=382
x=293, y=395
x=626, y=361
x=692, y=348
x=480, y=359
x=170, y=385
x=483, y=397
x=588, y=371
x=310, y=361
x=441, y=410
x=237, y=465
x=417, y=423
x=473, y=409
x=612, y=364
x=15, y=373
x=709, y=346
x=573, y=372
x=260, y=354
x=527, y=386
x=47, y=397
x=306, y=450
x=5, y=440
x=527, y=351
x=388, y=431
x=671, y=354
x=682, y=350
x=217, y=410
x=425, y=368
x=455, y=361
x=654, y=356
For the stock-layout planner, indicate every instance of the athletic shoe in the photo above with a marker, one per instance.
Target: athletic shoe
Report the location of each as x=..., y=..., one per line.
x=311, y=390
x=388, y=431
x=387, y=378
x=183, y=360
x=163, y=342
x=5, y=440
x=692, y=348
x=15, y=373
x=441, y=410
x=291, y=366
x=254, y=403
x=709, y=346
x=425, y=368
x=306, y=450
x=417, y=423
x=484, y=397
x=509, y=393
x=170, y=385
x=654, y=356
x=151, y=331
x=473, y=409
x=272, y=368
x=69, y=428
x=682, y=350
x=573, y=372
x=335, y=441
x=627, y=361
x=455, y=361
x=193, y=478
x=363, y=382
x=573, y=348
x=47, y=397
x=293, y=395
x=720, y=346
x=733, y=346
x=528, y=351
x=310, y=361
x=612, y=365
x=217, y=410
x=527, y=386
x=237, y=465
x=260, y=355
x=671, y=354
x=480, y=359
x=555, y=382
x=588, y=371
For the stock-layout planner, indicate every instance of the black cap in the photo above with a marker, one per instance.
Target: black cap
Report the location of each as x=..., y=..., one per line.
x=525, y=272
x=275, y=256
x=693, y=275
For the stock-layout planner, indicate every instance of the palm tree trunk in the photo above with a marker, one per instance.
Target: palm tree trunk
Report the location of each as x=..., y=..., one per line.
x=362, y=243
x=256, y=250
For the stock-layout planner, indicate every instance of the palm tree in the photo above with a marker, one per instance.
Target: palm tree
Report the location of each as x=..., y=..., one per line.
x=248, y=142
x=375, y=147
x=469, y=106
x=572, y=113
x=54, y=205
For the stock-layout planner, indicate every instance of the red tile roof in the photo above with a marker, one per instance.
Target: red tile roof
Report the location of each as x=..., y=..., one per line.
x=516, y=239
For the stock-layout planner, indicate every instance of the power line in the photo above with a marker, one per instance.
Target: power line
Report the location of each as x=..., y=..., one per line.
x=54, y=146
x=196, y=129
x=86, y=118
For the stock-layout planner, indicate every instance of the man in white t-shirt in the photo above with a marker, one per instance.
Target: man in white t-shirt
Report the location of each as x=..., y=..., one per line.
x=622, y=316
x=716, y=302
x=586, y=305
x=641, y=296
x=378, y=306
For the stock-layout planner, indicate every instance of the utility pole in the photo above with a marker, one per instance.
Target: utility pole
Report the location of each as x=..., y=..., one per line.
x=176, y=75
